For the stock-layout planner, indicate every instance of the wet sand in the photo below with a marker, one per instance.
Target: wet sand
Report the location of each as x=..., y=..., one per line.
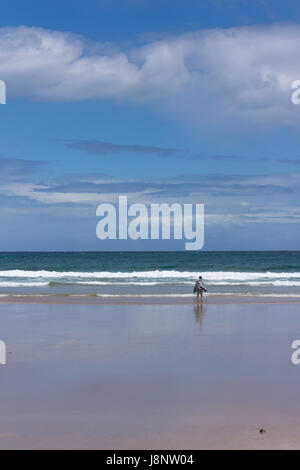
x=149, y=376
x=146, y=299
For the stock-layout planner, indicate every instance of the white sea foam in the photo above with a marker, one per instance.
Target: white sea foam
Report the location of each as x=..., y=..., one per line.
x=27, y=279
x=100, y=283
x=208, y=275
x=211, y=283
x=99, y=275
x=24, y=284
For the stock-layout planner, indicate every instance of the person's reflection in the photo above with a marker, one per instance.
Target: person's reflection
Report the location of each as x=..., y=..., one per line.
x=199, y=310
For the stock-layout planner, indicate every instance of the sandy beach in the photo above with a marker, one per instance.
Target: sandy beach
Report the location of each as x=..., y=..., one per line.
x=149, y=376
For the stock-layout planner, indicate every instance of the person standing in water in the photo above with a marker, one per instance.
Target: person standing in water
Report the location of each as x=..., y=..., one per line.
x=199, y=288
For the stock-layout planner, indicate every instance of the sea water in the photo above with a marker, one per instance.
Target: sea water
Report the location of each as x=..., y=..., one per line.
x=150, y=273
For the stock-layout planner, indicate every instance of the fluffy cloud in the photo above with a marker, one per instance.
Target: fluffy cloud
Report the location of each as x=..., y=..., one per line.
x=244, y=71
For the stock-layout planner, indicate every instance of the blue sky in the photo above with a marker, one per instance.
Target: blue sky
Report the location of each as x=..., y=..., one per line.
x=164, y=101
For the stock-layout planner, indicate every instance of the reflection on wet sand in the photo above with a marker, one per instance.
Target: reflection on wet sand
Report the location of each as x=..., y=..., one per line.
x=110, y=377
x=199, y=311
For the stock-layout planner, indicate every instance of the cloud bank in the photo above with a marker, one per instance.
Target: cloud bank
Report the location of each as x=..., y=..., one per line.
x=229, y=199
x=245, y=71
x=97, y=147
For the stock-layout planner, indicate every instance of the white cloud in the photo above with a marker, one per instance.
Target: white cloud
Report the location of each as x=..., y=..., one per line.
x=243, y=71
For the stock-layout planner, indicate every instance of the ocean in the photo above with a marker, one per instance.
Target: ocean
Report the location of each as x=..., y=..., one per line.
x=114, y=274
